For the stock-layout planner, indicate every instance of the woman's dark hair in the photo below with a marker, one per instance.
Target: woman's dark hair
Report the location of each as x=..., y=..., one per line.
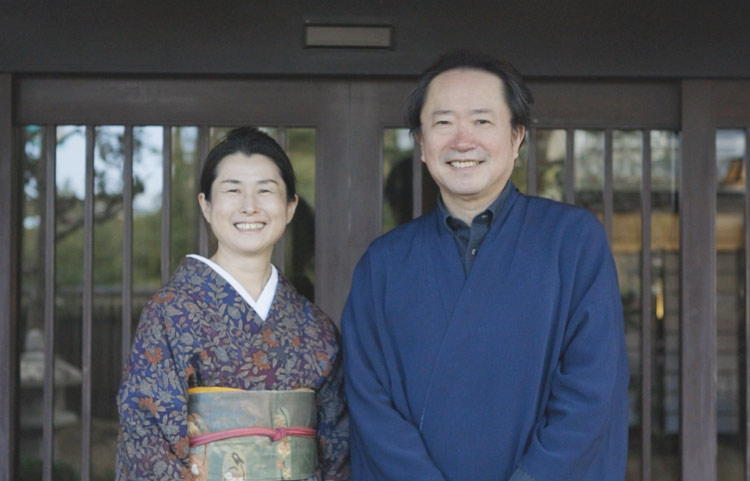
x=517, y=95
x=248, y=141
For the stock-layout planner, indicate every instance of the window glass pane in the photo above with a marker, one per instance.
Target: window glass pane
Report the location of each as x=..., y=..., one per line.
x=31, y=309
x=109, y=158
x=730, y=301
x=588, y=182
x=665, y=305
x=147, y=208
x=147, y=204
x=550, y=172
x=519, y=177
x=184, y=211
x=70, y=185
x=627, y=171
x=627, y=248
x=299, y=239
x=216, y=133
x=398, y=191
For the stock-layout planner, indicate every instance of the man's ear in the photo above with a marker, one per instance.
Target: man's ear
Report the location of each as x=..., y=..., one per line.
x=517, y=136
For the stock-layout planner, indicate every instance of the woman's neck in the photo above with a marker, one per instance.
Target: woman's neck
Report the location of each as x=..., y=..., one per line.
x=251, y=272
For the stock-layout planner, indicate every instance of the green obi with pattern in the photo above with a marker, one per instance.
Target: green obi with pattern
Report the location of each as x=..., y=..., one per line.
x=238, y=435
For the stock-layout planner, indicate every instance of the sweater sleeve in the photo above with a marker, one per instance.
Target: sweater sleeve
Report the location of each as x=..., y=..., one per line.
x=152, y=404
x=585, y=422
x=385, y=446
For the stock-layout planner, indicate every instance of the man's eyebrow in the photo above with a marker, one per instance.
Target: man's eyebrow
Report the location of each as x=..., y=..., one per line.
x=478, y=110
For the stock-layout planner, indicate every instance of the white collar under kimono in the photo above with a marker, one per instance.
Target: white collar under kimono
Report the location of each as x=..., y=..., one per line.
x=263, y=304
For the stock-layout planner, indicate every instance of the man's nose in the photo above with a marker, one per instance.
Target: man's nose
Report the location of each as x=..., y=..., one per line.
x=464, y=138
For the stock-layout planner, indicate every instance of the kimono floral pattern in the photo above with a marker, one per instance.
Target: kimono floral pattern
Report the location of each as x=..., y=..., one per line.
x=197, y=330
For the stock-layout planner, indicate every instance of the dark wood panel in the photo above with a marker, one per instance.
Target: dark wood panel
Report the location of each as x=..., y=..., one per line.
x=644, y=38
x=177, y=102
x=731, y=103
x=698, y=286
x=88, y=301
x=9, y=242
x=48, y=390
x=333, y=218
x=619, y=105
x=68, y=100
x=349, y=181
x=646, y=322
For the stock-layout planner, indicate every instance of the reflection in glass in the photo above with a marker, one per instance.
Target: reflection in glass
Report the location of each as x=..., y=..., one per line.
x=147, y=206
x=299, y=239
x=398, y=191
x=70, y=192
x=627, y=248
x=109, y=159
x=147, y=214
x=665, y=305
x=550, y=162
x=519, y=176
x=216, y=133
x=626, y=243
x=588, y=182
x=730, y=301
x=31, y=308
x=184, y=210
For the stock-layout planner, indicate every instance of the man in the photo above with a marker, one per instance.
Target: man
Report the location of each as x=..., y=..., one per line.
x=484, y=340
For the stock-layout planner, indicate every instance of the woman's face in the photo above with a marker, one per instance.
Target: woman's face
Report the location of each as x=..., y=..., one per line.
x=248, y=210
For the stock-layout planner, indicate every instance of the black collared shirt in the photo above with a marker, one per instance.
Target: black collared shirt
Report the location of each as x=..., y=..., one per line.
x=469, y=238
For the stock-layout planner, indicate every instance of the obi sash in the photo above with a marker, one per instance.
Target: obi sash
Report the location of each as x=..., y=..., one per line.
x=238, y=435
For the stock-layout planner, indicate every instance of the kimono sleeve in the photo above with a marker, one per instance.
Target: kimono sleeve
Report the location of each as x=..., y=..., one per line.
x=583, y=432
x=152, y=442
x=333, y=426
x=384, y=445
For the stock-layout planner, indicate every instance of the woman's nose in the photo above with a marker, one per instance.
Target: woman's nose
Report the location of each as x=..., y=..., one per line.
x=249, y=204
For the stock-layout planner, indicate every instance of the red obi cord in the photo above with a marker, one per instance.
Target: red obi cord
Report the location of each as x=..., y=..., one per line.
x=274, y=434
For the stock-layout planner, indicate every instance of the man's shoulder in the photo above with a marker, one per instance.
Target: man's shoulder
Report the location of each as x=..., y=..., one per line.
x=405, y=234
x=547, y=211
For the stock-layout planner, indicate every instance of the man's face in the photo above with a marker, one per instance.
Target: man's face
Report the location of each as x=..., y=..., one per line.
x=466, y=138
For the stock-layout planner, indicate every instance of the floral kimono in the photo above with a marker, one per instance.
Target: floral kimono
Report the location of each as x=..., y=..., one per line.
x=199, y=330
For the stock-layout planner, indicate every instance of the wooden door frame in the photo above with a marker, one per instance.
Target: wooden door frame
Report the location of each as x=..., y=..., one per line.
x=708, y=105
x=351, y=114
x=9, y=265
x=345, y=114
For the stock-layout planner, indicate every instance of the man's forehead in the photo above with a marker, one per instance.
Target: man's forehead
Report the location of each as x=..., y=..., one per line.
x=475, y=73
x=463, y=84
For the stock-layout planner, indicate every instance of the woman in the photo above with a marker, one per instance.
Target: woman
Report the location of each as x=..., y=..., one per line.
x=228, y=344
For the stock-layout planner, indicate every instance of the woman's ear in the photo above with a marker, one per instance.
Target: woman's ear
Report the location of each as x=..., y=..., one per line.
x=205, y=205
x=291, y=207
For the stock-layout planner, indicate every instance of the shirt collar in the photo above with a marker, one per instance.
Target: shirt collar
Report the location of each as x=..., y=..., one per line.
x=493, y=210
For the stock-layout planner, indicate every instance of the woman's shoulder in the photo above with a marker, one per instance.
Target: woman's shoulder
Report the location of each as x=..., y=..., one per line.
x=292, y=298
